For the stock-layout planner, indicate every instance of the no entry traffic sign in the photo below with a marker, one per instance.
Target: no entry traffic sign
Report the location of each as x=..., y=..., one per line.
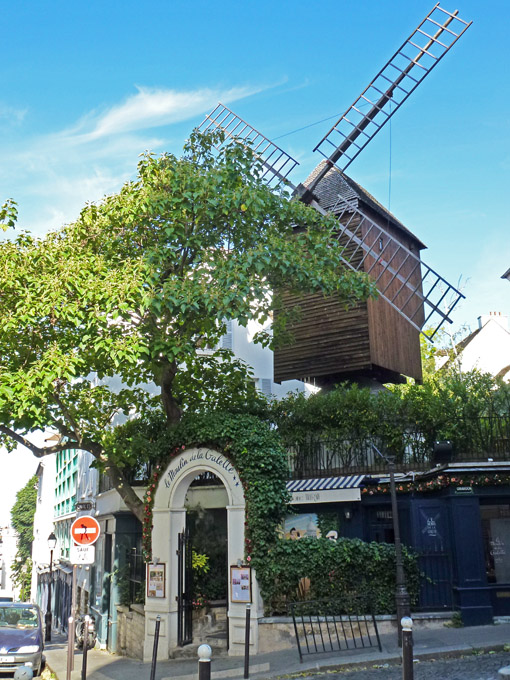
x=85, y=530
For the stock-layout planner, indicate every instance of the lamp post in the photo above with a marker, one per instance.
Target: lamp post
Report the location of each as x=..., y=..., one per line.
x=52, y=542
x=402, y=599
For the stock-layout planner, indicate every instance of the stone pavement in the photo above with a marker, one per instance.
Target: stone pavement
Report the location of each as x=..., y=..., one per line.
x=428, y=643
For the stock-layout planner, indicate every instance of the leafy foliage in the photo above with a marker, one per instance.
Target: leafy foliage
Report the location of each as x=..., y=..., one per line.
x=458, y=407
x=22, y=520
x=8, y=214
x=136, y=293
x=335, y=570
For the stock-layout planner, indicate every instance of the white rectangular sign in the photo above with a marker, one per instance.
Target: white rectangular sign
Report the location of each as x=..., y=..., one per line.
x=326, y=496
x=82, y=554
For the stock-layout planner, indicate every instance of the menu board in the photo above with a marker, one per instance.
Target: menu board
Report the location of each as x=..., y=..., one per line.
x=499, y=545
x=156, y=580
x=240, y=584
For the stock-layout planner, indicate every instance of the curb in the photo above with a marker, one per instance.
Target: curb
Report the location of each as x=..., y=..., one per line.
x=389, y=658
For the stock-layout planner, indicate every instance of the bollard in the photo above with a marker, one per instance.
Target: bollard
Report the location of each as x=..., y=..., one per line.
x=247, y=643
x=204, y=662
x=407, y=648
x=70, y=647
x=155, y=647
x=85, y=647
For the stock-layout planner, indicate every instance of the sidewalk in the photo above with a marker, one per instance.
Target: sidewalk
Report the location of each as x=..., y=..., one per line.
x=428, y=643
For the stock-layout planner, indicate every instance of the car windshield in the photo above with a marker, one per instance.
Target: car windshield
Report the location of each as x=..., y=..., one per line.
x=18, y=617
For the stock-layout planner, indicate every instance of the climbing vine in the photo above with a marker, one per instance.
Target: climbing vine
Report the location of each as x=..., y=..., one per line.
x=255, y=451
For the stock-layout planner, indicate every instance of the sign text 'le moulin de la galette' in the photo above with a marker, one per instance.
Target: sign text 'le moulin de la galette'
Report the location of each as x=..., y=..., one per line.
x=205, y=455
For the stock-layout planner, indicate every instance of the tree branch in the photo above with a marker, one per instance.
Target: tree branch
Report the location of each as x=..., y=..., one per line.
x=67, y=415
x=39, y=452
x=125, y=490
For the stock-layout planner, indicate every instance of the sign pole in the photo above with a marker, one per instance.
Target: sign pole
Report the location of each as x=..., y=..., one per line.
x=84, y=533
x=71, y=626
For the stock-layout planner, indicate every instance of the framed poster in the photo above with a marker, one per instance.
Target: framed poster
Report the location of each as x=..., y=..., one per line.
x=156, y=580
x=240, y=584
x=301, y=526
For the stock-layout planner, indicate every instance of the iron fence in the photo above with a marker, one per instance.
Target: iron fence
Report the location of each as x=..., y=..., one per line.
x=473, y=440
x=136, y=576
x=333, y=626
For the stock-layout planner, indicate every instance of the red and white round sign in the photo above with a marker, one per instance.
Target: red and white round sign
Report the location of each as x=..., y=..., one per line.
x=85, y=530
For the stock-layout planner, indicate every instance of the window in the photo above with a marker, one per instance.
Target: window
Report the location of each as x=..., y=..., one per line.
x=496, y=540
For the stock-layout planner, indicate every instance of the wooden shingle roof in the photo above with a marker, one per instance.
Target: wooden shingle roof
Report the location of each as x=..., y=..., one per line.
x=336, y=183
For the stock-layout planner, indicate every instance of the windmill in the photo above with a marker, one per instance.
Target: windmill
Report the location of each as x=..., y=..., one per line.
x=378, y=339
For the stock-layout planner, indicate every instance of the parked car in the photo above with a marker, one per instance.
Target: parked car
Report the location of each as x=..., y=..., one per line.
x=21, y=637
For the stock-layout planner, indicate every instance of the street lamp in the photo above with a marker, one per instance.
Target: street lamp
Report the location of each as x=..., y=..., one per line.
x=402, y=599
x=52, y=542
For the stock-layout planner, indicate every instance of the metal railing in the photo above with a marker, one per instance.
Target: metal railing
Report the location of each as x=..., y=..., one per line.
x=136, y=576
x=333, y=625
x=473, y=440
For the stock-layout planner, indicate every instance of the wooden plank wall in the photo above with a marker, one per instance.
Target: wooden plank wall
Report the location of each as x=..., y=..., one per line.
x=394, y=343
x=332, y=342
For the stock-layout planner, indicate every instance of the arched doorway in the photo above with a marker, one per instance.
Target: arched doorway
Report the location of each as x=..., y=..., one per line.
x=169, y=520
x=207, y=564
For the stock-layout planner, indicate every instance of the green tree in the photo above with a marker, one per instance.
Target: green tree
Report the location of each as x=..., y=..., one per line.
x=8, y=214
x=138, y=289
x=22, y=520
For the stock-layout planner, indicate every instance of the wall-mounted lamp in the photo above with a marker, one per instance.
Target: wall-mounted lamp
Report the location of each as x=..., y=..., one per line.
x=347, y=513
x=156, y=560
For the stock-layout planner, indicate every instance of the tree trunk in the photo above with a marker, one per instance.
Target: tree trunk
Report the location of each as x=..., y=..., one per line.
x=172, y=410
x=125, y=491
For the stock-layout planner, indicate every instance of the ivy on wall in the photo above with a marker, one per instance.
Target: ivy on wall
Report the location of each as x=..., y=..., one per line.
x=318, y=568
x=256, y=453
x=330, y=569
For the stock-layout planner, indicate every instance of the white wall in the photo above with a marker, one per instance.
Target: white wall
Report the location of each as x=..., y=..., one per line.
x=43, y=519
x=489, y=349
x=260, y=359
x=8, y=549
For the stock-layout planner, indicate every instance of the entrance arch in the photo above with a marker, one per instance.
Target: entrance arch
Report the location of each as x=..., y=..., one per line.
x=169, y=519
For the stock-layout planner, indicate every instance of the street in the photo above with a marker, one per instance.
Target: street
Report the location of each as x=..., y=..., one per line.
x=470, y=667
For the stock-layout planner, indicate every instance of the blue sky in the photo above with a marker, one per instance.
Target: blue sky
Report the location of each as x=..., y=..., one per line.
x=87, y=87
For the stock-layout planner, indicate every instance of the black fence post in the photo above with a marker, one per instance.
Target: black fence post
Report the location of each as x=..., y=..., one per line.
x=247, y=643
x=204, y=662
x=155, y=646
x=407, y=648
x=85, y=647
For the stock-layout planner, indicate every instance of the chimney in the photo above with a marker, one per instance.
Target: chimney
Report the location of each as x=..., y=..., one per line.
x=498, y=317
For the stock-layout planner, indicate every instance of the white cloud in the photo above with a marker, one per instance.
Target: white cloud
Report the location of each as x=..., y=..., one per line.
x=52, y=176
x=150, y=108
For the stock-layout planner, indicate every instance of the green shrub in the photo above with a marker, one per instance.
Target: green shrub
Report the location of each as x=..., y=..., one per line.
x=335, y=570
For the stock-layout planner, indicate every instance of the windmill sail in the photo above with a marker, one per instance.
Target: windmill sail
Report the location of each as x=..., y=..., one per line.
x=398, y=78
x=410, y=286
x=277, y=164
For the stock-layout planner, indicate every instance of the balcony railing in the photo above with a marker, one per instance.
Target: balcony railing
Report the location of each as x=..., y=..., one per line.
x=474, y=440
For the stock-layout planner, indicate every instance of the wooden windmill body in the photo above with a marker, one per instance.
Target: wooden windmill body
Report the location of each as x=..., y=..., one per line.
x=370, y=340
x=379, y=339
